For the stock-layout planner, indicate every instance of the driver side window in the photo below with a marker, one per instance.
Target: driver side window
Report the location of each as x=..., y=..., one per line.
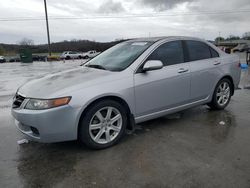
x=169, y=53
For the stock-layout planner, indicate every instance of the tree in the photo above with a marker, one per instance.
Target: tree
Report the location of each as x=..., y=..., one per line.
x=2, y=51
x=246, y=36
x=26, y=42
x=218, y=39
x=233, y=37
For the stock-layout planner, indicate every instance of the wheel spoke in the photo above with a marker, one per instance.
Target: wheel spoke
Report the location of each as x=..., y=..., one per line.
x=224, y=86
x=115, y=128
x=99, y=116
x=116, y=118
x=225, y=100
x=109, y=112
x=218, y=94
x=220, y=99
x=107, y=134
x=95, y=126
x=220, y=88
x=99, y=134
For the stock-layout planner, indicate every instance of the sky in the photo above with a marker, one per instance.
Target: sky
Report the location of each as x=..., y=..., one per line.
x=108, y=20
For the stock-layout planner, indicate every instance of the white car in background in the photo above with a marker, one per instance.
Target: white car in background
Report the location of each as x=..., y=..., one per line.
x=91, y=54
x=240, y=48
x=2, y=59
x=71, y=55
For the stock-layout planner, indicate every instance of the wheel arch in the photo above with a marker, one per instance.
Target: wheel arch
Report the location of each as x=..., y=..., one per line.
x=109, y=97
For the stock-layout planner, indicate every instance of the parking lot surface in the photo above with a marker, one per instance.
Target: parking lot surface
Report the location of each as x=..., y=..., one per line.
x=193, y=148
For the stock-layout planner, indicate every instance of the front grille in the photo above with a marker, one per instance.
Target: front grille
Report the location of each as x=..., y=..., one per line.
x=18, y=100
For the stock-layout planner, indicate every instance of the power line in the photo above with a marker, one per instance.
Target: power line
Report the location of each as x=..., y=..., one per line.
x=128, y=16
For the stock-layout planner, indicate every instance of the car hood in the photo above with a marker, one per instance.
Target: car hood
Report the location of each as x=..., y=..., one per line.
x=56, y=84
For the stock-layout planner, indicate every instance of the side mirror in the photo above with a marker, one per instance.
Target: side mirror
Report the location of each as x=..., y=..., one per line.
x=152, y=65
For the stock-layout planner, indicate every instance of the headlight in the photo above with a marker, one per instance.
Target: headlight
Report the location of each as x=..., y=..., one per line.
x=41, y=104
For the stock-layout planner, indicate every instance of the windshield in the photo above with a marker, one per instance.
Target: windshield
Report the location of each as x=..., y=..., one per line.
x=120, y=56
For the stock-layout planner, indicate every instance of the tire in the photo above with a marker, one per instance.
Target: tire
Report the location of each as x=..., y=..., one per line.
x=80, y=57
x=67, y=57
x=221, y=95
x=96, y=129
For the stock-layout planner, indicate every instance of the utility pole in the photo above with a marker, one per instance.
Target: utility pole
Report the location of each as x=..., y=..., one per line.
x=218, y=41
x=47, y=24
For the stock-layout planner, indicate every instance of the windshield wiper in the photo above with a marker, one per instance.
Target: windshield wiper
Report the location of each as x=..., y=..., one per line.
x=96, y=66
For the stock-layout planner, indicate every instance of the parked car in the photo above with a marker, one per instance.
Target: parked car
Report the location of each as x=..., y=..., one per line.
x=226, y=49
x=14, y=59
x=2, y=59
x=71, y=55
x=39, y=58
x=90, y=54
x=240, y=48
x=132, y=82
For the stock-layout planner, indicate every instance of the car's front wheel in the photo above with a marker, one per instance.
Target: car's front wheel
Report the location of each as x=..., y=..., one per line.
x=103, y=124
x=222, y=94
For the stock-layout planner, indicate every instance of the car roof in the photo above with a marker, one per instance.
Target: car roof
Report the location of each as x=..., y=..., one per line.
x=155, y=39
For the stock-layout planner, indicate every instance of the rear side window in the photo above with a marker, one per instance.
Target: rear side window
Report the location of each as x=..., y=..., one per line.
x=169, y=53
x=213, y=53
x=197, y=50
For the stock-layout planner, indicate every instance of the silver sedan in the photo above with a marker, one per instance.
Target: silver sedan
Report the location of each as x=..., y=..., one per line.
x=132, y=82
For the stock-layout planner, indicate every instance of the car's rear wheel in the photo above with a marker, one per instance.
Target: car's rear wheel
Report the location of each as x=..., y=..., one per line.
x=103, y=124
x=222, y=94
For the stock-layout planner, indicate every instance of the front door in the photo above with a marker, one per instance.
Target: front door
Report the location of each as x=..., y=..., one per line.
x=164, y=88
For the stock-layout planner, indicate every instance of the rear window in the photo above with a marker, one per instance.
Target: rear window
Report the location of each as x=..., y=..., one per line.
x=213, y=53
x=197, y=50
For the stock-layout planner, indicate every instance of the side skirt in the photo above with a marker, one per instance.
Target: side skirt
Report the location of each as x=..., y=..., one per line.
x=170, y=110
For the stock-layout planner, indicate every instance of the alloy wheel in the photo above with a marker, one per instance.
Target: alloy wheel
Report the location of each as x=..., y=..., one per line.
x=105, y=125
x=223, y=93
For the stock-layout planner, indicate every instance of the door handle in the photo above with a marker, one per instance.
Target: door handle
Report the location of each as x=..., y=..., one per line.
x=182, y=70
x=217, y=63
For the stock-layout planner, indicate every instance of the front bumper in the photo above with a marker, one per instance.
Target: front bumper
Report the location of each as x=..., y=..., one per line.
x=50, y=125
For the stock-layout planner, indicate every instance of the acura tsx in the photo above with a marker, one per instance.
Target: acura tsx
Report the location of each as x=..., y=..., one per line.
x=134, y=81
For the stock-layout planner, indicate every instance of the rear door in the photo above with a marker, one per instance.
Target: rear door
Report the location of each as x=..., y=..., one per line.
x=74, y=55
x=204, y=64
x=164, y=88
